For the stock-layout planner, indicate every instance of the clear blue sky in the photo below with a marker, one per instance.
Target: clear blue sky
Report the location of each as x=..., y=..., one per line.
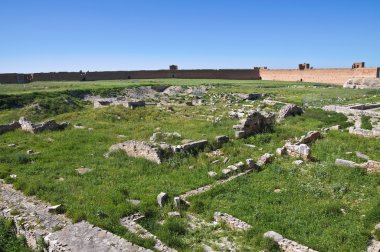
x=73, y=35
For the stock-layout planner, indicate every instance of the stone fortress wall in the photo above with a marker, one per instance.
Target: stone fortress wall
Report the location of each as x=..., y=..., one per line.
x=304, y=73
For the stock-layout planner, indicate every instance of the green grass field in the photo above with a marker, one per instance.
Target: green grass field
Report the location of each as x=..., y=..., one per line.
x=323, y=206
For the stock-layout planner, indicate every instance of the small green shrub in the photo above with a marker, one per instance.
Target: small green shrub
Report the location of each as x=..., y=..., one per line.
x=366, y=123
x=23, y=159
x=269, y=245
x=376, y=234
x=8, y=238
x=172, y=232
x=198, y=206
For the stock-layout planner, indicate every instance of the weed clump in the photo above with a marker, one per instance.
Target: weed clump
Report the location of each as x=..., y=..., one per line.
x=366, y=123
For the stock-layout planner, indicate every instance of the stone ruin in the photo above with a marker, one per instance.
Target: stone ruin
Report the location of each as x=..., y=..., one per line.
x=146, y=150
x=130, y=222
x=251, y=97
x=362, y=83
x=256, y=122
x=231, y=221
x=375, y=132
x=370, y=166
x=105, y=102
x=300, y=149
x=36, y=128
x=38, y=221
x=289, y=110
x=287, y=245
x=151, y=95
x=367, y=109
x=155, y=152
x=9, y=127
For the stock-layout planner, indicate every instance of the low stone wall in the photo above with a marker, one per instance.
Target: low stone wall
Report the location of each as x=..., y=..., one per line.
x=287, y=245
x=129, y=222
x=35, y=128
x=370, y=165
x=9, y=127
x=355, y=109
x=365, y=133
x=232, y=222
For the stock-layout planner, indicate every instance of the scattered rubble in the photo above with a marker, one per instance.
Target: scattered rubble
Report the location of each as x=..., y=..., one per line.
x=159, y=136
x=310, y=137
x=374, y=245
x=251, y=97
x=267, y=158
x=362, y=83
x=162, y=199
x=298, y=162
x=222, y=139
x=362, y=156
x=298, y=151
x=212, y=174
x=83, y=170
x=289, y=110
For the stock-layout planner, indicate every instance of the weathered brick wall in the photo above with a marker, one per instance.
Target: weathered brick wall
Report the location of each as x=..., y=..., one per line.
x=334, y=76
x=244, y=74
x=57, y=76
x=8, y=78
x=123, y=75
x=235, y=74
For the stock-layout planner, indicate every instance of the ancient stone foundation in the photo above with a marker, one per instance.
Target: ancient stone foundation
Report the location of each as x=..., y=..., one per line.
x=375, y=132
x=155, y=152
x=231, y=221
x=362, y=83
x=37, y=222
x=256, y=122
x=36, y=128
x=355, y=109
x=140, y=149
x=370, y=166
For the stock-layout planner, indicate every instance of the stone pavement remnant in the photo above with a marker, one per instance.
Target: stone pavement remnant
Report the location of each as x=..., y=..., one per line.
x=37, y=220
